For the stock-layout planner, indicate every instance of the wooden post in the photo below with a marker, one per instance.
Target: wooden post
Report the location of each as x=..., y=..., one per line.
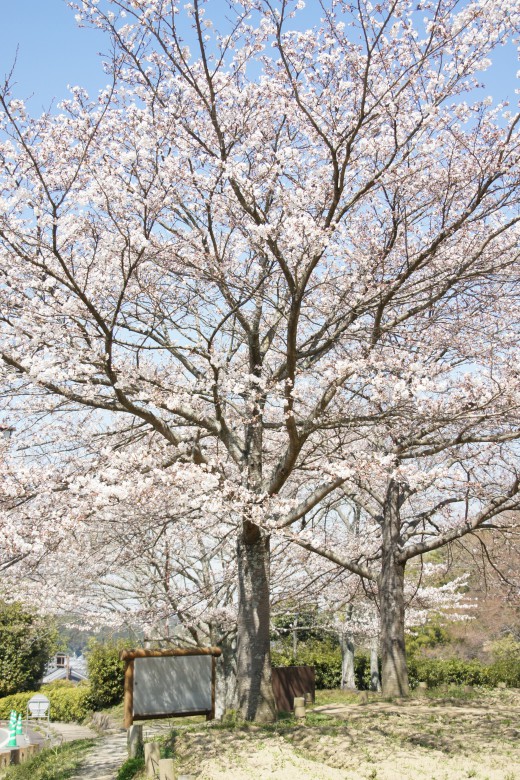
x=129, y=693
x=135, y=741
x=299, y=707
x=211, y=715
x=23, y=754
x=5, y=759
x=363, y=697
x=151, y=759
x=166, y=769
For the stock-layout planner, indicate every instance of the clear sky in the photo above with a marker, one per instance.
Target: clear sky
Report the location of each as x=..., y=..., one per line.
x=54, y=52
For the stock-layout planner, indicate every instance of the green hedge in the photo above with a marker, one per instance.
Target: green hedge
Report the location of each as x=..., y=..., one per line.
x=69, y=703
x=456, y=671
x=326, y=660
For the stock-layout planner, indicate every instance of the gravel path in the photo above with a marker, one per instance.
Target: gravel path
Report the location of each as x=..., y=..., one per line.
x=105, y=758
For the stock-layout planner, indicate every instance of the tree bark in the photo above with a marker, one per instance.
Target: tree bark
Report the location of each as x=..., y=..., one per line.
x=375, y=679
x=391, y=600
x=255, y=692
x=226, y=698
x=348, y=677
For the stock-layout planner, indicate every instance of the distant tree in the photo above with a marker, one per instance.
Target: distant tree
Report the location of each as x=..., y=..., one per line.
x=27, y=641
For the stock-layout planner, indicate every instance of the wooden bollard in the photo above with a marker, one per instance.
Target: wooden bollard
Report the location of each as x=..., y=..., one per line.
x=5, y=759
x=135, y=741
x=24, y=754
x=363, y=697
x=152, y=756
x=299, y=707
x=166, y=769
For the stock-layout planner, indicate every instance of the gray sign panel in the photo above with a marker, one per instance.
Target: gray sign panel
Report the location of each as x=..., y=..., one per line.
x=164, y=686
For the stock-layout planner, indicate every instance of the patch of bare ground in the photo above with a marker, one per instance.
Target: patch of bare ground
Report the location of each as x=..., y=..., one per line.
x=448, y=739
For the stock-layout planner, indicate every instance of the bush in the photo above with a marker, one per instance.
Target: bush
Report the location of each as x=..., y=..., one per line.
x=69, y=703
x=325, y=657
x=106, y=672
x=506, y=662
x=456, y=671
x=26, y=644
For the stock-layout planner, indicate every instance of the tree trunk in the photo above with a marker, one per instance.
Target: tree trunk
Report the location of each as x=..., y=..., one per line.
x=391, y=600
x=255, y=691
x=226, y=693
x=375, y=680
x=348, y=677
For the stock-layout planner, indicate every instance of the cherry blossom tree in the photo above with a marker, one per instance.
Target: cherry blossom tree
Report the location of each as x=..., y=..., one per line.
x=266, y=248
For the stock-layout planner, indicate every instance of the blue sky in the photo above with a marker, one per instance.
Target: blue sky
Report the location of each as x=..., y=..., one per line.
x=54, y=52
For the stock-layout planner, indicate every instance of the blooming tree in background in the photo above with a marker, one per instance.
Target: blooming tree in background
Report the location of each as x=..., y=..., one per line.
x=280, y=258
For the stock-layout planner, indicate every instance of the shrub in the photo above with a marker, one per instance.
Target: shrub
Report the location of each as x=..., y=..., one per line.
x=506, y=661
x=106, y=672
x=26, y=644
x=325, y=657
x=69, y=703
x=457, y=671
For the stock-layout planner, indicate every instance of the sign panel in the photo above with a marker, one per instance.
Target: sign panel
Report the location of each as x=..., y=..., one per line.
x=172, y=684
x=169, y=683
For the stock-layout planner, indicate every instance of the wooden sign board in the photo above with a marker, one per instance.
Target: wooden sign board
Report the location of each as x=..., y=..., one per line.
x=169, y=683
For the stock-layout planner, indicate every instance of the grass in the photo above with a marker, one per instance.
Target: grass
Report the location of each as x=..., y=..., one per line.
x=130, y=768
x=58, y=763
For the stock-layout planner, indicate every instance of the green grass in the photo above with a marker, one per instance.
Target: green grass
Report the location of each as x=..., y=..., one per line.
x=130, y=768
x=58, y=763
x=340, y=697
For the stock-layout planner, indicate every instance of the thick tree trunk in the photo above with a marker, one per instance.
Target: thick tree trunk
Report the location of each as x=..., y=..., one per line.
x=348, y=677
x=255, y=692
x=391, y=600
x=375, y=680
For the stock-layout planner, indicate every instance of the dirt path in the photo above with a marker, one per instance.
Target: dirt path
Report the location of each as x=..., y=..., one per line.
x=68, y=732
x=105, y=758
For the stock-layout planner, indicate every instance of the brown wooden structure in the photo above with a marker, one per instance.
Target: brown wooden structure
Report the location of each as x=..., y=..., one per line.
x=290, y=682
x=129, y=657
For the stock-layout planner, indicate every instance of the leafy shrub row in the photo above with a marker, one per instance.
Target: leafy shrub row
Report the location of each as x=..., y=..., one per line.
x=326, y=661
x=456, y=671
x=69, y=703
x=453, y=671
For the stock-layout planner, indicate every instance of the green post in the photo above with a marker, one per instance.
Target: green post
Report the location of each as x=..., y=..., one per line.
x=12, y=732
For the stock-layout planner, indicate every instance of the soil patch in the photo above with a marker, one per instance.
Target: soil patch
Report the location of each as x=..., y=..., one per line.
x=413, y=740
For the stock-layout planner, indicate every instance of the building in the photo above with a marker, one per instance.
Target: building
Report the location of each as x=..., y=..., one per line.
x=65, y=667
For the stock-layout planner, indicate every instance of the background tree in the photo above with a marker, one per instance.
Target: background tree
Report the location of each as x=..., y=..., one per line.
x=27, y=643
